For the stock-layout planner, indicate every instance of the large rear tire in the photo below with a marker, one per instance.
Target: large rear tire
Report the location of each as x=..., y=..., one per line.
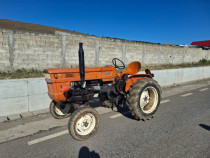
x=144, y=98
x=83, y=123
x=60, y=110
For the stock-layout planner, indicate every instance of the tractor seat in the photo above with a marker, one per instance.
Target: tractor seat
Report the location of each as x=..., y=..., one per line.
x=133, y=68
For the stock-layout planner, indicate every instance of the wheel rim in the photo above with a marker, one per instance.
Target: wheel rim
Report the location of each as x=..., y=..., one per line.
x=149, y=100
x=85, y=124
x=61, y=111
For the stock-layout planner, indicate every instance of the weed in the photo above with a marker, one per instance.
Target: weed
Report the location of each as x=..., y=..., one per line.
x=204, y=61
x=21, y=73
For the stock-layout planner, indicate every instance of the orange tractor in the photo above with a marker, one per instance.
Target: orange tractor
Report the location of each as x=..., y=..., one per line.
x=71, y=89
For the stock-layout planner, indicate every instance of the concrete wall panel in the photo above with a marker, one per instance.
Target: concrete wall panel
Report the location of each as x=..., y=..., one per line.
x=190, y=74
x=174, y=76
x=37, y=86
x=11, y=106
x=160, y=76
x=38, y=102
x=13, y=88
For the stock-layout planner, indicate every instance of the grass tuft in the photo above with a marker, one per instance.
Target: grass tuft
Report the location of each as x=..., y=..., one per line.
x=21, y=73
x=204, y=61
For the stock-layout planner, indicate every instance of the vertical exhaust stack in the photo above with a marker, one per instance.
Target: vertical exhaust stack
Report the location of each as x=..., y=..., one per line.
x=82, y=65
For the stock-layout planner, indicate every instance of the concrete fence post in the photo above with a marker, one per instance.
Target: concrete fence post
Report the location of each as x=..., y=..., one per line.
x=159, y=55
x=11, y=49
x=97, y=50
x=124, y=53
x=63, y=50
x=183, y=55
x=173, y=56
x=143, y=55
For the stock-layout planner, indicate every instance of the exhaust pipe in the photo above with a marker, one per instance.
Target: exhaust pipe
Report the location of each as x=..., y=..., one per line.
x=82, y=65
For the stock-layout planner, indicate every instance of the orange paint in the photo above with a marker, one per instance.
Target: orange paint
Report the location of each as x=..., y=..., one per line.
x=66, y=76
x=133, y=79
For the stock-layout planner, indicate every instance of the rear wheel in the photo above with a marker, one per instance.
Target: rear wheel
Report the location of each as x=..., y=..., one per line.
x=60, y=110
x=144, y=98
x=83, y=123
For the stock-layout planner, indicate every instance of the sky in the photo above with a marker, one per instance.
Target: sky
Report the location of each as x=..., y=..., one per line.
x=157, y=21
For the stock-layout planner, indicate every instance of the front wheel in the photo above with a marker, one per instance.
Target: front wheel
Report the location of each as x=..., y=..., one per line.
x=144, y=98
x=60, y=110
x=83, y=123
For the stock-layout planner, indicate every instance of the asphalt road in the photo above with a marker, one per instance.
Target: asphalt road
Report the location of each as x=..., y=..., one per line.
x=180, y=128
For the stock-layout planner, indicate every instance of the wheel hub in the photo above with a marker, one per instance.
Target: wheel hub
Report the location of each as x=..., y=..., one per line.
x=85, y=124
x=148, y=99
x=145, y=99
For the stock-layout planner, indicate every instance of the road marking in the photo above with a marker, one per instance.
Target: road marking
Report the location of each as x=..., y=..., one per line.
x=118, y=115
x=47, y=137
x=203, y=89
x=184, y=95
x=164, y=101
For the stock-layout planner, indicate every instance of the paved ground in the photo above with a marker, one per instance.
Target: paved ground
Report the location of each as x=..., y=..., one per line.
x=181, y=128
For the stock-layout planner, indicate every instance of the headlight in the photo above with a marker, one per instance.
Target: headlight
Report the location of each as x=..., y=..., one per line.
x=47, y=76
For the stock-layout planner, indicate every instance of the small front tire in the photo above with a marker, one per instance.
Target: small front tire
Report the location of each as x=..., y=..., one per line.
x=83, y=123
x=60, y=110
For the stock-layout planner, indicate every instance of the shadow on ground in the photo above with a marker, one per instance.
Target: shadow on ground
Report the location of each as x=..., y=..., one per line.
x=125, y=112
x=86, y=153
x=121, y=109
x=205, y=127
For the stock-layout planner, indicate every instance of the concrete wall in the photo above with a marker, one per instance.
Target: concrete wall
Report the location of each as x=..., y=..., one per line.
x=23, y=95
x=40, y=51
x=171, y=77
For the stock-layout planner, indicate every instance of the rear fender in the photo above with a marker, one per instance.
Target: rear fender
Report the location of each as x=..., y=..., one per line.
x=134, y=78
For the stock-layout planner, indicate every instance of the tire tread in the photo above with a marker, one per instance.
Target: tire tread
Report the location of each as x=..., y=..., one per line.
x=132, y=97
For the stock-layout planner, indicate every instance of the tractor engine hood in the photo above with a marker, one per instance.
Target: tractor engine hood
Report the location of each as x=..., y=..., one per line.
x=76, y=70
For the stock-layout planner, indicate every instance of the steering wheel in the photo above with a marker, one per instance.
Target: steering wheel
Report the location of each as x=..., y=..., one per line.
x=114, y=62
